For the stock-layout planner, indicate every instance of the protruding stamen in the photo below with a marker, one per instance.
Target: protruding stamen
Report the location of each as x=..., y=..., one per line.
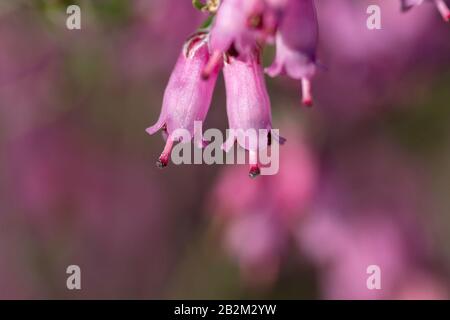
x=443, y=9
x=213, y=62
x=306, y=92
x=163, y=160
x=254, y=171
x=254, y=166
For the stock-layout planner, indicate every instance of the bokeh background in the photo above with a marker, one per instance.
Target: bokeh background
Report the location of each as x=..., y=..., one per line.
x=364, y=176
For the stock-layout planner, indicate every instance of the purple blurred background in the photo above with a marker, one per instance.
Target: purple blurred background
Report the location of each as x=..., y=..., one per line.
x=364, y=175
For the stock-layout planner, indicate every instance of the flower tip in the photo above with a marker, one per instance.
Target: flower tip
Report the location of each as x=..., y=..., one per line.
x=163, y=160
x=205, y=75
x=161, y=163
x=254, y=171
x=443, y=10
x=151, y=130
x=306, y=93
x=308, y=103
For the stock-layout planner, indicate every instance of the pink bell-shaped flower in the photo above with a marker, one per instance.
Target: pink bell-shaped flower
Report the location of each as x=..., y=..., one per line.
x=248, y=105
x=296, y=43
x=187, y=97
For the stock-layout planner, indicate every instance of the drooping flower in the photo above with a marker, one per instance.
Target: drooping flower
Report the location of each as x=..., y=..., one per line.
x=248, y=104
x=296, y=43
x=440, y=5
x=233, y=31
x=187, y=97
x=238, y=25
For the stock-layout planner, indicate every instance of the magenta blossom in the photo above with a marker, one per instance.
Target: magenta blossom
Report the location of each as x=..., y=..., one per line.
x=234, y=30
x=248, y=104
x=296, y=45
x=187, y=98
x=237, y=26
x=440, y=4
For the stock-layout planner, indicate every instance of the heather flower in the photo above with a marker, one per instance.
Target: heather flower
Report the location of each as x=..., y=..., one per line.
x=440, y=5
x=237, y=26
x=187, y=97
x=296, y=43
x=248, y=104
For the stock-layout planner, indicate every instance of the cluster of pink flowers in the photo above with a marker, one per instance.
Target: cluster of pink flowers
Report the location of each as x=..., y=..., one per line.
x=233, y=41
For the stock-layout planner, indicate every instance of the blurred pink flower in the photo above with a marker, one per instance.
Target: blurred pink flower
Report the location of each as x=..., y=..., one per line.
x=297, y=41
x=257, y=241
x=258, y=218
x=364, y=66
x=345, y=249
x=290, y=190
x=366, y=213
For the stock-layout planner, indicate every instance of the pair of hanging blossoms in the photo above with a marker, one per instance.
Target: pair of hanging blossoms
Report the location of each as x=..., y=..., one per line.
x=232, y=42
